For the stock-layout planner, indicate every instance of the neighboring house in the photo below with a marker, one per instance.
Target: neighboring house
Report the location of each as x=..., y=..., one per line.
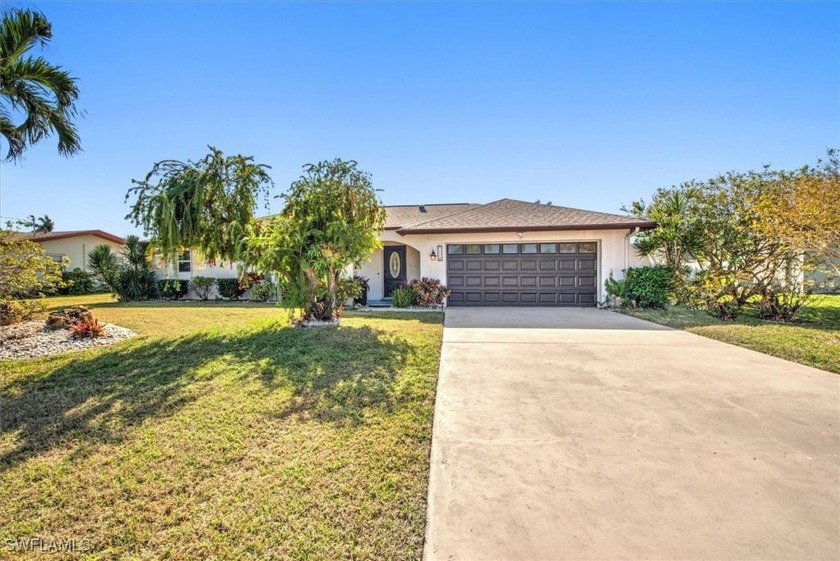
x=504, y=253
x=75, y=245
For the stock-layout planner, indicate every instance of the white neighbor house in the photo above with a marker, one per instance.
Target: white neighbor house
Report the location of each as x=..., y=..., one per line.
x=75, y=245
x=504, y=253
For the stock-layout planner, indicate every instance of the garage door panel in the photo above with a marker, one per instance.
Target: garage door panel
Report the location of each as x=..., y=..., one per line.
x=544, y=274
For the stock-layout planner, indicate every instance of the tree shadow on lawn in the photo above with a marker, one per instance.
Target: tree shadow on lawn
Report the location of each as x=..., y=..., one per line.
x=333, y=374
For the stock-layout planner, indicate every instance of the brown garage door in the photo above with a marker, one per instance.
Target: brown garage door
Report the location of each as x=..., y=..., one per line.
x=522, y=274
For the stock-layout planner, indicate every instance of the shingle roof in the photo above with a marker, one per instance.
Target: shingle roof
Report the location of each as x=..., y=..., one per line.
x=404, y=216
x=507, y=215
x=58, y=235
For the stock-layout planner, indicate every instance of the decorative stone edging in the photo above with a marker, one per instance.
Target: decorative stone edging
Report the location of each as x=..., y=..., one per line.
x=32, y=340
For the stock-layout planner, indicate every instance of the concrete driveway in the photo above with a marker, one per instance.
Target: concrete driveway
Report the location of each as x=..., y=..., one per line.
x=585, y=434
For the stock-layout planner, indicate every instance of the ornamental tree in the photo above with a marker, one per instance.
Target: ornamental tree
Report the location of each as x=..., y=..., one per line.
x=25, y=270
x=331, y=220
x=205, y=205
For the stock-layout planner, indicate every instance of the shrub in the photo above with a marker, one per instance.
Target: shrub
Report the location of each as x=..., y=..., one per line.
x=649, y=287
x=364, y=283
x=262, y=291
x=87, y=328
x=132, y=280
x=403, y=297
x=349, y=289
x=781, y=306
x=77, y=282
x=202, y=286
x=230, y=288
x=172, y=289
x=616, y=290
x=16, y=311
x=25, y=270
x=428, y=292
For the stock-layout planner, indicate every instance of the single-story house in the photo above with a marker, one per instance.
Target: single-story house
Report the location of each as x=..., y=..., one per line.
x=503, y=253
x=75, y=245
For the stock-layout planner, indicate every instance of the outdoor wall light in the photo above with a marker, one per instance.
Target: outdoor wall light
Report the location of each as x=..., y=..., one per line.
x=433, y=255
x=440, y=253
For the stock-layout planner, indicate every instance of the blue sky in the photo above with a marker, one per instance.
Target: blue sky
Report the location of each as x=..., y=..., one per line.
x=585, y=105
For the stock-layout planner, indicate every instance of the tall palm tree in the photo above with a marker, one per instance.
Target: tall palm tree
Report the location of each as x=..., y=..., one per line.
x=37, y=99
x=38, y=225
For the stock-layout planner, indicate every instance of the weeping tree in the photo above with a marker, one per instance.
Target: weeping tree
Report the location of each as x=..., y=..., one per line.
x=331, y=220
x=205, y=205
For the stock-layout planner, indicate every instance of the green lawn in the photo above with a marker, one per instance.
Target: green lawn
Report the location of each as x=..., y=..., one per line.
x=814, y=340
x=220, y=432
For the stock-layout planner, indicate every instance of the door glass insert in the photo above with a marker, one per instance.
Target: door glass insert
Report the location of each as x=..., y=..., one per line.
x=394, y=264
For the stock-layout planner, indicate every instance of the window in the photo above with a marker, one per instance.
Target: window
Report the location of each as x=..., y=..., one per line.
x=491, y=248
x=455, y=249
x=510, y=248
x=56, y=257
x=529, y=248
x=568, y=248
x=548, y=248
x=184, y=262
x=474, y=249
x=589, y=247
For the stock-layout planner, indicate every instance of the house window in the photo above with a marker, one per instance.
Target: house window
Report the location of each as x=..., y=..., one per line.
x=455, y=249
x=529, y=248
x=184, y=262
x=474, y=249
x=56, y=257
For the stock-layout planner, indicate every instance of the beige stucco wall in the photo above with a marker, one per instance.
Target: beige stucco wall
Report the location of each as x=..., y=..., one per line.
x=198, y=268
x=615, y=252
x=77, y=249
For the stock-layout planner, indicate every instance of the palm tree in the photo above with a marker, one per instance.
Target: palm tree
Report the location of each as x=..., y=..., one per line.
x=38, y=96
x=41, y=225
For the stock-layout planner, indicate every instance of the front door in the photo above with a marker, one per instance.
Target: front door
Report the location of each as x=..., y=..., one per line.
x=394, y=268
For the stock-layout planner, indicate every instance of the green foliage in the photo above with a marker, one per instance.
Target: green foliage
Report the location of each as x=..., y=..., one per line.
x=42, y=95
x=202, y=286
x=616, y=290
x=403, y=297
x=348, y=289
x=130, y=281
x=648, y=287
x=263, y=291
x=428, y=292
x=37, y=225
x=25, y=270
x=363, y=285
x=230, y=288
x=16, y=311
x=77, y=282
x=172, y=289
x=744, y=235
x=205, y=205
x=331, y=220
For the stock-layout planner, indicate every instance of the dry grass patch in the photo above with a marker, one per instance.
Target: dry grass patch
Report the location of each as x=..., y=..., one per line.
x=220, y=432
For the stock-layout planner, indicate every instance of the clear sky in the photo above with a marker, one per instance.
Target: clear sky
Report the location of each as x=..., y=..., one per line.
x=585, y=105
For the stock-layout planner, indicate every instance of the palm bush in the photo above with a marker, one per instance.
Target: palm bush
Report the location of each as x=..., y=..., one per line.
x=133, y=279
x=403, y=297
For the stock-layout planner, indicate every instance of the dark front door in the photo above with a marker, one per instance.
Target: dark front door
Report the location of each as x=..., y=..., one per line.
x=394, y=268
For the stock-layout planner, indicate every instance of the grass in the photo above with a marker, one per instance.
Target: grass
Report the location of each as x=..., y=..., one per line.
x=813, y=340
x=219, y=432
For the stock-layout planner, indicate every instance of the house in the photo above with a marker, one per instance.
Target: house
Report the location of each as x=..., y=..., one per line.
x=504, y=253
x=75, y=245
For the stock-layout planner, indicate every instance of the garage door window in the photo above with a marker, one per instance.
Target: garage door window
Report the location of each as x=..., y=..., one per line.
x=548, y=248
x=474, y=249
x=491, y=249
x=455, y=249
x=510, y=248
x=568, y=248
x=588, y=247
x=529, y=248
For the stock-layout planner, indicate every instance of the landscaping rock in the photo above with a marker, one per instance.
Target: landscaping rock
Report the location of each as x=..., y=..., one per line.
x=64, y=318
x=31, y=339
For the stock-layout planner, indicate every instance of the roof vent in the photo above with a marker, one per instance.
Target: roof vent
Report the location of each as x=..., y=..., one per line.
x=422, y=208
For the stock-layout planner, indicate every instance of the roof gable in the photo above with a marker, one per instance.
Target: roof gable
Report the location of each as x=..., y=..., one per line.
x=59, y=235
